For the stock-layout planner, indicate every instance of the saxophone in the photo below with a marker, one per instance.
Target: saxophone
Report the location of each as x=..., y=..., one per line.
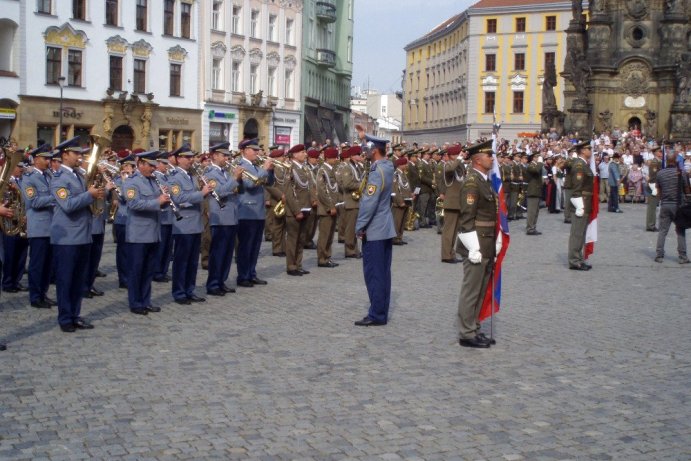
x=12, y=196
x=410, y=218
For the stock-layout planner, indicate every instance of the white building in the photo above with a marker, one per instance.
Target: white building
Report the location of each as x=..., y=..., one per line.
x=250, y=71
x=386, y=109
x=127, y=69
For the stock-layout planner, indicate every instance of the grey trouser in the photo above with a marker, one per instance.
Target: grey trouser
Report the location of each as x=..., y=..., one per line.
x=513, y=203
x=475, y=280
x=666, y=214
x=533, y=211
x=650, y=210
x=577, y=239
x=604, y=189
x=422, y=206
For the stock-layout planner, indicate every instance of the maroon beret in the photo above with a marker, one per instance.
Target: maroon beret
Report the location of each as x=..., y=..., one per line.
x=331, y=152
x=454, y=150
x=355, y=150
x=313, y=153
x=277, y=153
x=296, y=148
x=401, y=161
x=345, y=153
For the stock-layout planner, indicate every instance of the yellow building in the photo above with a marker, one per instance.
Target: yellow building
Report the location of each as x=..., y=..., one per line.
x=488, y=60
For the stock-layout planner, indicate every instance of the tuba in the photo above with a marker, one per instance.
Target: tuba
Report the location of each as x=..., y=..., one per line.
x=439, y=207
x=280, y=209
x=12, y=196
x=93, y=177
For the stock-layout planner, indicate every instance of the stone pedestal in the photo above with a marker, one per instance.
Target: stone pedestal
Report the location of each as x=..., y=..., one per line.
x=580, y=118
x=680, y=122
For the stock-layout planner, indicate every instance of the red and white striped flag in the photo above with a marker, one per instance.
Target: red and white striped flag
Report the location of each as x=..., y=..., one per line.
x=591, y=231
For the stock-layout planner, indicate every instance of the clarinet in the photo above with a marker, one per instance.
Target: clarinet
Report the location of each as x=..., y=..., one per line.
x=173, y=206
x=197, y=171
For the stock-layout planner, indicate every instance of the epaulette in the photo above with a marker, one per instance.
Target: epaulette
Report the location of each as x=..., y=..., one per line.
x=58, y=173
x=29, y=171
x=373, y=167
x=173, y=173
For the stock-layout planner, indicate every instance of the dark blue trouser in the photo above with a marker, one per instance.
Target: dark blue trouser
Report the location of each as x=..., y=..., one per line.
x=250, y=234
x=94, y=260
x=40, y=264
x=613, y=204
x=120, y=253
x=142, y=260
x=220, y=255
x=16, y=249
x=376, y=264
x=70, y=274
x=185, y=263
x=165, y=249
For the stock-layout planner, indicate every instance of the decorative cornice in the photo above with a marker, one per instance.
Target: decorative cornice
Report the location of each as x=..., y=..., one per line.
x=256, y=56
x=117, y=44
x=177, y=53
x=290, y=62
x=141, y=48
x=237, y=53
x=65, y=35
x=273, y=59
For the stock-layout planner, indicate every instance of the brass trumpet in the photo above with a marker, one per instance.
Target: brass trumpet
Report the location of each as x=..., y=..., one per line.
x=12, y=196
x=235, y=163
x=93, y=176
x=439, y=207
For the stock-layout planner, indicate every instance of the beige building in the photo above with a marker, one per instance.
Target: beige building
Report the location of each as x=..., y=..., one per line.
x=487, y=61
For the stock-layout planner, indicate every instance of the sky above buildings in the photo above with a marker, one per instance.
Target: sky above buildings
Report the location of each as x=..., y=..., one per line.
x=384, y=27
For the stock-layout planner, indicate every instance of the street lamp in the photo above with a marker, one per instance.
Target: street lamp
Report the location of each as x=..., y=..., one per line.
x=61, y=84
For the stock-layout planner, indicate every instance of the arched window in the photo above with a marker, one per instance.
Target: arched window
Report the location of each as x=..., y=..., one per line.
x=8, y=31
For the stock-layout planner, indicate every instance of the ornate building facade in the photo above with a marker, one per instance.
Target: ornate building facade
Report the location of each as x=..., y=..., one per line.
x=486, y=62
x=251, y=71
x=629, y=65
x=327, y=69
x=124, y=69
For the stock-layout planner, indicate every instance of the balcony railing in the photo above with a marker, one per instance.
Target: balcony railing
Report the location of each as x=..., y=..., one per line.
x=326, y=57
x=326, y=11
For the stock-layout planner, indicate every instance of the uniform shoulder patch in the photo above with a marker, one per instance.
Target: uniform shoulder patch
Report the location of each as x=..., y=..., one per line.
x=175, y=189
x=371, y=189
x=30, y=192
x=131, y=193
x=62, y=193
x=470, y=199
x=212, y=183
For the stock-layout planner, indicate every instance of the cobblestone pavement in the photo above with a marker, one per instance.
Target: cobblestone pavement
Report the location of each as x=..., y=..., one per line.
x=588, y=365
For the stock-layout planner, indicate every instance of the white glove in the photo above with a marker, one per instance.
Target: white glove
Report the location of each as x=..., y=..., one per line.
x=471, y=242
x=498, y=243
x=653, y=189
x=578, y=203
x=540, y=159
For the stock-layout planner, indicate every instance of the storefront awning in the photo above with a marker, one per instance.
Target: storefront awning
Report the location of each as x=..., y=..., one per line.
x=340, y=131
x=314, y=126
x=327, y=128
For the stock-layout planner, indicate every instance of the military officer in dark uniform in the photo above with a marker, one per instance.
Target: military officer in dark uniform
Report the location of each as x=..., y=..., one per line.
x=426, y=198
x=568, y=190
x=582, y=180
x=127, y=165
x=327, y=196
x=70, y=235
x=273, y=195
x=350, y=178
x=98, y=230
x=223, y=221
x=39, y=203
x=312, y=166
x=452, y=178
x=251, y=213
x=16, y=246
x=187, y=232
x=654, y=166
x=534, y=192
x=143, y=231
x=376, y=229
x=477, y=236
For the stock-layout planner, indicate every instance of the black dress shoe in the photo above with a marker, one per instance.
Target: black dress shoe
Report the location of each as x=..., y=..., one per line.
x=100, y=274
x=217, y=292
x=588, y=266
x=567, y=221
x=227, y=289
x=52, y=302
x=41, y=305
x=328, y=264
x=164, y=279
x=304, y=272
x=11, y=290
x=245, y=283
x=140, y=311
x=122, y=285
x=294, y=273
x=88, y=295
x=82, y=324
x=487, y=339
x=581, y=267
x=473, y=342
x=354, y=256
x=310, y=246
x=3, y=347
x=153, y=309
x=404, y=242
x=96, y=292
x=341, y=241
x=69, y=328
x=281, y=254
x=21, y=287
x=196, y=299
x=654, y=229
x=183, y=301
x=533, y=233
x=368, y=322
x=450, y=261
x=259, y=282
x=397, y=243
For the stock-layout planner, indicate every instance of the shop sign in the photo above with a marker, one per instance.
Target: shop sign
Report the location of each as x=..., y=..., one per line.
x=8, y=114
x=292, y=121
x=225, y=115
x=282, y=135
x=68, y=112
x=177, y=121
x=218, y=131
